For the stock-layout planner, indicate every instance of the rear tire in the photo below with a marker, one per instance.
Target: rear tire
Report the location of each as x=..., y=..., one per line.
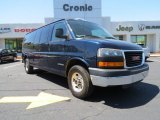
x=28, y=68
x=79, y=82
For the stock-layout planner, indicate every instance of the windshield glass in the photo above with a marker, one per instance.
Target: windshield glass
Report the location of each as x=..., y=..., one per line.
x=85, y=29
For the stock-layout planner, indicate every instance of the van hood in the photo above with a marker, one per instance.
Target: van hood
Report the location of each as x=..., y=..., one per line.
x=115, y=44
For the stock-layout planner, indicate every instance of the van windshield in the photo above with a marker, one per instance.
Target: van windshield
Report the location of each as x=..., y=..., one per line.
x=85, y=29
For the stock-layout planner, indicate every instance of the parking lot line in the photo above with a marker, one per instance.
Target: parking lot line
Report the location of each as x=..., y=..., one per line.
x=11, y=66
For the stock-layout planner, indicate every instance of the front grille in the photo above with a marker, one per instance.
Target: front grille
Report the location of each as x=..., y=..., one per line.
x=133, y=58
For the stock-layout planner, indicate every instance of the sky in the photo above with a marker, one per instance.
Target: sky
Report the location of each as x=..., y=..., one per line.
x=34, y=11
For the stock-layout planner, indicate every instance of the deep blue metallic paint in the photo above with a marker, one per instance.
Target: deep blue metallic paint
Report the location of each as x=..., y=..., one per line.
x=55, y=56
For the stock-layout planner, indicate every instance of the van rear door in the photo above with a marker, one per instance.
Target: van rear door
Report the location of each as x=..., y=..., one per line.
x=46, y=36
x=36, y=49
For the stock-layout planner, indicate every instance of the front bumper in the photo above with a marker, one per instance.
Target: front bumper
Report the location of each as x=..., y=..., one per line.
x=114, y=77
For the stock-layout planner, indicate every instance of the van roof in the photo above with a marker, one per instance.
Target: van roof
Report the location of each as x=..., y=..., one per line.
x=46, y=25
x=55, y=22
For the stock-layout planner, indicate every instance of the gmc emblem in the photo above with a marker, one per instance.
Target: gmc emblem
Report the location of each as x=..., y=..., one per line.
x=135, y=58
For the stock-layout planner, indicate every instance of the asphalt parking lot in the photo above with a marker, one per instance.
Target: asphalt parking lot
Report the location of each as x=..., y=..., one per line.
x=19, y=95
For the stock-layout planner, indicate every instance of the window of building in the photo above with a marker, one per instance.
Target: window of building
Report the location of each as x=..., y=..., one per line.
x=14, y=44
x=139, y=39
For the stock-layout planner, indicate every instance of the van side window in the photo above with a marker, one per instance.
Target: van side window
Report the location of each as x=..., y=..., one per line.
x=50, y=31
x=30, y=37
x=60, y=25
x=38, y=35
x=46, y=34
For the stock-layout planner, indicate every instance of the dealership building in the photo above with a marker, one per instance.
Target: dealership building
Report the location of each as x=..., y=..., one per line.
x=139, y=32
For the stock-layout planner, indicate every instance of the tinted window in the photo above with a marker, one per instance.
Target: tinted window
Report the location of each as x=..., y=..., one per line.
x=46, y=33
x=50, y=31
x=60, y=25
x=30, y=37
x=83, y=29
x=38, y=35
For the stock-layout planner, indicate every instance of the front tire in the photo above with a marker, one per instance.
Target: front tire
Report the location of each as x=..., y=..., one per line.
x=79, y=82
x=28, y=68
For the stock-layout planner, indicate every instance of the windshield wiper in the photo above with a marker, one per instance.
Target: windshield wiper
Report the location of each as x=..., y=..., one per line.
x=93, y=36
x=90, y=36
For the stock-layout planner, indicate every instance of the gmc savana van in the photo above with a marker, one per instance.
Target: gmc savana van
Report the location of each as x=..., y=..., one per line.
x=86, y=54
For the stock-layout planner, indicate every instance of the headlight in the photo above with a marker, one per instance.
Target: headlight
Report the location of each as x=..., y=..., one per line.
x=102, y=52
x=110, y=58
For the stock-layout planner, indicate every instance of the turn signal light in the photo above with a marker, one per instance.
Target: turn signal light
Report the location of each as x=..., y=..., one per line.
x=111, y=64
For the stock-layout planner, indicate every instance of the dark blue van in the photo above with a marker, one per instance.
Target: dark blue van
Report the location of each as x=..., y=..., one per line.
x=86, y=54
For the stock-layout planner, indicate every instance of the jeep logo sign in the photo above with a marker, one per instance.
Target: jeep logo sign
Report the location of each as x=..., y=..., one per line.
x=124, y=28
x=67, y=7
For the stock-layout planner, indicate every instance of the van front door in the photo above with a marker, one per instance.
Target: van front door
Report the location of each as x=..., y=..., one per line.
x=57, y=56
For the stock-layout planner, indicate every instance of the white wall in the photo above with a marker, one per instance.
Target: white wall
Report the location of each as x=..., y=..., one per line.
x=151, y=42
x=13, y=34
x=106, y=23
x=153, y=35
x=157, y=42
x=94, y=15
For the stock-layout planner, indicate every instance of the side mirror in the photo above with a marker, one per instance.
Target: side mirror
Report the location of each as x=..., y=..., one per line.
x=60, y=34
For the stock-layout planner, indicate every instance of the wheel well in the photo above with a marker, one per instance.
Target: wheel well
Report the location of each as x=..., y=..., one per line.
x=75, y=62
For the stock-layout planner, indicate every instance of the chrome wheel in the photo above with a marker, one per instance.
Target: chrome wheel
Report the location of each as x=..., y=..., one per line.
x=77, y=82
